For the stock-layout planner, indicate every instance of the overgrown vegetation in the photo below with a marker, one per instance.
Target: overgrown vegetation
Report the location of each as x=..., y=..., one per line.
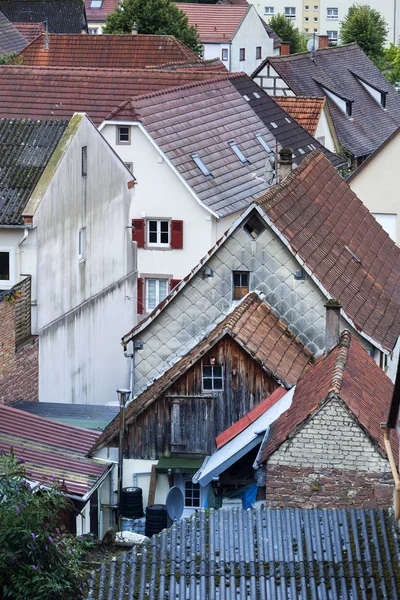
x=288, y=33
x=157, y=17
x=38, y=560
x=11, y=59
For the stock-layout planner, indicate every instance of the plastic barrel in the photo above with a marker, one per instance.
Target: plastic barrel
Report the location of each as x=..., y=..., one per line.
x=126, y=524
x=132, y=502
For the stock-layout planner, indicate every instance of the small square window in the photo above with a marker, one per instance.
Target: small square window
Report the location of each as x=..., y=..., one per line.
x=254, y=226
x=315, y=30
x=306, y=19
x=240, y=284
x=158, y=233
x=332, y=36
x=306, y=29
x=258, y=52
x=315, y=19
x=84, y=161
x=96, y=4
x=82, y=244
x=315, y=7
x=212, y=378
x=123, y=135
x=5, y=266
x=290, y=12
x=224, y=54
x=242, y=54
x=192, y=494
x=332, y=13
x=269, y=10
x=129, y=166
x=307, y=7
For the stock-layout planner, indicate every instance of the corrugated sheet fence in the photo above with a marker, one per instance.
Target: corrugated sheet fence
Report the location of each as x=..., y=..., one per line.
x=265, y=554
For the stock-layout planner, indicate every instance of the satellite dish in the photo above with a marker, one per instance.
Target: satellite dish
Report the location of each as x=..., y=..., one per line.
x=312, y=44
x=175, y=503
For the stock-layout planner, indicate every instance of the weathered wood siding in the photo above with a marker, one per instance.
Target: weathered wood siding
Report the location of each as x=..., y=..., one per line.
x=184, y=420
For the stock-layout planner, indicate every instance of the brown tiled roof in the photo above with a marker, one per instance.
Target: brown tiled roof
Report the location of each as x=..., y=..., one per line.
x=214, y=64
x=99, y=15
x=341, y=244
x=59, y=92
x=352, y=374
x=215, y=22
x=107, y=51
x=30, y=31
x=338, y=69
x=306, y=111
x=254, y=326
x=63, y=16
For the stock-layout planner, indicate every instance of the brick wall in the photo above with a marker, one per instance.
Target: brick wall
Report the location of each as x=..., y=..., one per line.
x=330, y=462
x=18, y=364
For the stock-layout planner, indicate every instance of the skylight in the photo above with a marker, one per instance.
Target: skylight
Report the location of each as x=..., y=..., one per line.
x=274, y=125
x=201, y=165
x=263, y=143
x=96, y=3
x=238, y=152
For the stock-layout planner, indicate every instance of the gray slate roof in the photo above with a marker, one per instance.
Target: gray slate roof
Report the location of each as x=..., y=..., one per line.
x=337, y=69
x=271, y=554
x=25, y=149
x=64, y=16
x=203, y=118
x=11, y=40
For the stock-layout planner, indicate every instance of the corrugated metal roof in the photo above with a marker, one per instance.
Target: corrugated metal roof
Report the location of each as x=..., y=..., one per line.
x=51, y=449
x=289, y=554
x=88, y=416
x=25, y=149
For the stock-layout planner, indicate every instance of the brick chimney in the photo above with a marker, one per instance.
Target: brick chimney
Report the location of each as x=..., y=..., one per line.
x=285, y=162
x=332, y=331
x=284, y=49
x=323, y=41
x=134, y=29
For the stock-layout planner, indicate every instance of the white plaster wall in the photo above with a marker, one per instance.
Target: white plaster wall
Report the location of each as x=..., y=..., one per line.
x=161, y=194
x=84, y=307
x=378, y=183
x=251, y=34
x=215, y=51
x=331, y=440
x=142, y=468
x=323, y=130
x=279, y=8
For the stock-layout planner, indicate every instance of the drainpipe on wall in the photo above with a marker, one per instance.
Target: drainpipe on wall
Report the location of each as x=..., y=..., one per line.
x=393, y=468
x=123, y=396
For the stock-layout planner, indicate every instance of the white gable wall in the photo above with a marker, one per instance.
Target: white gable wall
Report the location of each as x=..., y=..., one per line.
x=85, y=306
x=250, y=34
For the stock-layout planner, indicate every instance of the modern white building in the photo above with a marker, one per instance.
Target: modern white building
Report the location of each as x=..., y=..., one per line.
x=324, y=16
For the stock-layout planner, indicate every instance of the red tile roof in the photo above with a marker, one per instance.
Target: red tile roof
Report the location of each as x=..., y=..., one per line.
x=254, y=326
x=58, y=92
x=230, y=433
x=306, y=111
x=30, y=31
x=341, y=244
x=99, y=15
x=215, y=22
x=51, y=448
x=353, y=375
x=107, y=51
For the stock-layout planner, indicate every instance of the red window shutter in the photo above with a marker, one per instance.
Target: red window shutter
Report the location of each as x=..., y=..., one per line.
x=140, y=296
x=177, y=235
x=138, y=232
x=173, y=283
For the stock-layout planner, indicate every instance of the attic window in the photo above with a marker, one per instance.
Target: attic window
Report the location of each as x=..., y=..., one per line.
x=344, y=104
x=96, y=3
x=378, y=95
x=212, y=378
x=263, y=143
x=238, y=152
x=254, y=226
x=240, y=284
x=206, y=172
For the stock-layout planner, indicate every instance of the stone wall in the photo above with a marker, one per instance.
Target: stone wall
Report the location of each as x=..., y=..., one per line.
x=18, y=364
x=329, y=463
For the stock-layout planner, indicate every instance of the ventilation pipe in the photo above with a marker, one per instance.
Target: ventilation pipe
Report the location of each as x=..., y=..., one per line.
x=332, y=331
x=135, y=29
x=285, y=162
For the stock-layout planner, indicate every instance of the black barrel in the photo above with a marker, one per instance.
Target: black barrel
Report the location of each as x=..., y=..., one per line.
x=156, y=519
x=132, y=502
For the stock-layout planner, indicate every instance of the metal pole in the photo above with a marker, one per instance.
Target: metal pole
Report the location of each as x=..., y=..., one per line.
x=123, y=395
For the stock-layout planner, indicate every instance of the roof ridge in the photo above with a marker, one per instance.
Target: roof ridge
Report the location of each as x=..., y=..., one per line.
x=339, y=368
x=332, y=49
x=233, y=318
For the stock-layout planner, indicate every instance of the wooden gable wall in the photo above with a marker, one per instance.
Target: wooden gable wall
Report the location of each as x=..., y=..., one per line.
x=185, y=420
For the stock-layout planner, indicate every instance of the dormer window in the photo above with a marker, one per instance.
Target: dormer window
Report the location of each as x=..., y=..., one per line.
x=206, y=172
x=377, y=94
x=238, y=152
x=344, y=104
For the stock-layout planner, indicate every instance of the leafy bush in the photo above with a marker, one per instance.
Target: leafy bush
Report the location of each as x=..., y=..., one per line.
x=38, y=561
x=288, y=33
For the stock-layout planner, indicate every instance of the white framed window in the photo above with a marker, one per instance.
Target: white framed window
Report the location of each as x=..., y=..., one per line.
x=192, y=494
x=269, y=11
x=156, y=291
x=258, y=52
x=94, y=30
x=6, y=266
x=242, y=54
x=82, y=243
x=332, y=36
x=332, y=13
x=224, y=54
x=123, y=135
x=158, y=233
x=290, y=12
x=96, y=4
x=213, y=378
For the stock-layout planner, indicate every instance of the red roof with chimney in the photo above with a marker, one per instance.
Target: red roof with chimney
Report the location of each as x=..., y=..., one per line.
x=30, y=31
x=215, y=22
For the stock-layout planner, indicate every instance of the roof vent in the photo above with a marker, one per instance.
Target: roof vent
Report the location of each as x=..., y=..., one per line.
x=201, y=165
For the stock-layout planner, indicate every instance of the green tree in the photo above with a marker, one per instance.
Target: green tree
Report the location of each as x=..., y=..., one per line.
x=158, y=17
x=366, y=27
x=37, y=560
x=288, y=33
